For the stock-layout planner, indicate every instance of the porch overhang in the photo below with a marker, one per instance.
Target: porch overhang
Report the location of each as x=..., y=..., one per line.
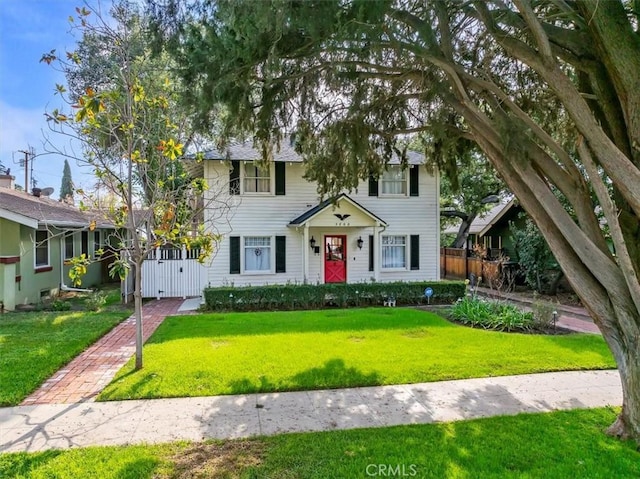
x=341, y=211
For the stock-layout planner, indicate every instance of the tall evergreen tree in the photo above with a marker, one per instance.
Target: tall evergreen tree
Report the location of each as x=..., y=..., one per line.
x=66, y=187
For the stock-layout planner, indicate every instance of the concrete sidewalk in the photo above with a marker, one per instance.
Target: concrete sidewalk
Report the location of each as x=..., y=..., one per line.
x=41, y=427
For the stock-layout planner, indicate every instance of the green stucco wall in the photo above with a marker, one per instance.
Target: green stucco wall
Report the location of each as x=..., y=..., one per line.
x=17, y=240
x=9, y=238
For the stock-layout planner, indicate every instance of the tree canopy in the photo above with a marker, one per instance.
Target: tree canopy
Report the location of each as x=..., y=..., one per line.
x=548, y=90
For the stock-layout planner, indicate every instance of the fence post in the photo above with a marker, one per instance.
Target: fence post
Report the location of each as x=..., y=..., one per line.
x=466, y=263
x=158, y=261
x=445, y=261
x=183, y=264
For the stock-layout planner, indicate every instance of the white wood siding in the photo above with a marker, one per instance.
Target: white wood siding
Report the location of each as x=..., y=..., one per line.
x=269, y=215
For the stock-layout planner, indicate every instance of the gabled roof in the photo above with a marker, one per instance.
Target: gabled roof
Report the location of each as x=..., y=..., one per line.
x=316, y=210
x=27, y=209
x=482, y=224
x=287, y=153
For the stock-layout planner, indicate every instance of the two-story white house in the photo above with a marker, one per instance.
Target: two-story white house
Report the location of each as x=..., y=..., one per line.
x=385, y=230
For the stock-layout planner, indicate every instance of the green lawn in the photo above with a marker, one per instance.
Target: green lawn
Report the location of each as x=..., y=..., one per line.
x=566, y=444
x=280, y=351
x=35, y=345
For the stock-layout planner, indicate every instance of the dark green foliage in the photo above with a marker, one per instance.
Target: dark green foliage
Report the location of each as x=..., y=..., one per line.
x=288, y=297
x=66, y=187
x=60, y=305
x=492, y=315
x=539, y=265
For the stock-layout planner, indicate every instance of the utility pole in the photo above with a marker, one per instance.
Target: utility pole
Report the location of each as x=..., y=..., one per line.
x=27, y=154
x=26, y=169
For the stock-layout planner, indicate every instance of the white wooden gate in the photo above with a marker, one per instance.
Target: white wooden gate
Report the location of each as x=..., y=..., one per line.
x=172, y=273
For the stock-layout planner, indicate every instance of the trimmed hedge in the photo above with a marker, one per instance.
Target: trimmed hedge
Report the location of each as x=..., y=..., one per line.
x=306, y=296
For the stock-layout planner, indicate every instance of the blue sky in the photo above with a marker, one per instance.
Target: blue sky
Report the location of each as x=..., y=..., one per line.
x=29, y=28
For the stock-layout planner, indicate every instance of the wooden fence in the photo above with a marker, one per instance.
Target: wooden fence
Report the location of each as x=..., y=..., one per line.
x=457, y=263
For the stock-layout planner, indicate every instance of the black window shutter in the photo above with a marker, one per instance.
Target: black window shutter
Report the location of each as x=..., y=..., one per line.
x=373, y=186
x=234, y=255
x=415, y=251
x=234, y=178
x=280, y=177
x=413, y=181
x=370, y=252
x=281, y=254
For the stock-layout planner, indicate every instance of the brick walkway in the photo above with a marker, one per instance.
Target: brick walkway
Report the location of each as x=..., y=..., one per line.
x=86, y=375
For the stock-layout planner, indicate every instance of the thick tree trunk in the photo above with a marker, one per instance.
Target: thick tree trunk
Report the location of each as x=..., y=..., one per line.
x=463, y=233
x=627, y=425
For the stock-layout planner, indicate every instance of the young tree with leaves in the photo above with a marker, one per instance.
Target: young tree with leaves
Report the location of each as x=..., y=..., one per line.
x=548, y=90
x=66, y=187
x=133, y=138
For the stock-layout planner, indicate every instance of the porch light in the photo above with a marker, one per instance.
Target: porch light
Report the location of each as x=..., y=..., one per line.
x=360, y=242
x=312, y=242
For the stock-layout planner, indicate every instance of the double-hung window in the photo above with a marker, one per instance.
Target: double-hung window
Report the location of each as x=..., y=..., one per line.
x=256, y=179
x=257, y=253
x=394, y=181
x=42, y=248
x=394, y=252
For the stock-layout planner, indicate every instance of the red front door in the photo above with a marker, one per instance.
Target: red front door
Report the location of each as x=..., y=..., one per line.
x=335, y=259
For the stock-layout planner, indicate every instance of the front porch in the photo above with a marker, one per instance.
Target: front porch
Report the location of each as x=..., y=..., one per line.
x=340, y=242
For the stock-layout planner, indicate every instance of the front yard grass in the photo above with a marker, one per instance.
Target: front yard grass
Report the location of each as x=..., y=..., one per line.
x=35, y=345
x=564, y=444
x=237, y=353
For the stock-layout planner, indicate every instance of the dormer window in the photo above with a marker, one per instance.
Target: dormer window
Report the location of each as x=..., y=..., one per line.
x=256, y=179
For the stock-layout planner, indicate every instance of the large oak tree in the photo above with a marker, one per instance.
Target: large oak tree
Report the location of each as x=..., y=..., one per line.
x=549, y=90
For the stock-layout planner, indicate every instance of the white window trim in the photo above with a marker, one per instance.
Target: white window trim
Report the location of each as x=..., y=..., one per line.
x=73, y=244
x=272, y=257
x=406, y=254
x=243, y=176
x=395, y=195
x=35, y=256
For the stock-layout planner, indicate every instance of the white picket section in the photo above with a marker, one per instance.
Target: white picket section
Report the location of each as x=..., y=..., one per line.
x=172, y=273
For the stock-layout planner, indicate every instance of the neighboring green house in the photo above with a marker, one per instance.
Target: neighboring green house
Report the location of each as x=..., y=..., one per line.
x=37, y=235
x=492, y=230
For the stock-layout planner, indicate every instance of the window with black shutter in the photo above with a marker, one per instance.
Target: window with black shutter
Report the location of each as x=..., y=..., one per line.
x=373, y=186
x=281, y=254
x=414, y=174
x=415, y=252
x=370, y=252
x=234, y=255
x=280, y=178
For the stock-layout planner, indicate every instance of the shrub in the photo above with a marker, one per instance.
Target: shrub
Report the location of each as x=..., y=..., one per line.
x=306, y=296
x=96, y=300
x=59, y=305
x=491, y=315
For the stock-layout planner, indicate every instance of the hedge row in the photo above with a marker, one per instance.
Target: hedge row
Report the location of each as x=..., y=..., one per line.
x=306, y=296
